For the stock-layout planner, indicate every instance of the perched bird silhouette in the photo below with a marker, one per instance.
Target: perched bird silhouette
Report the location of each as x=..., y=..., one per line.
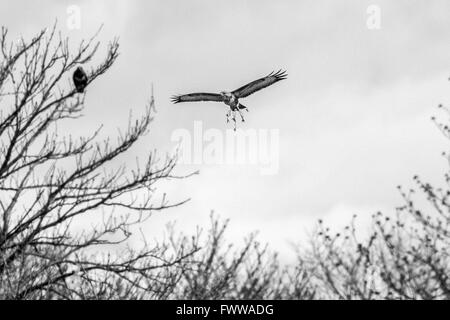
x=80, y=79
x=231, y=99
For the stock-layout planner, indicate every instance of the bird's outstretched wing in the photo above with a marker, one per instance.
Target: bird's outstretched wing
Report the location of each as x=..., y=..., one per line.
x=193, y=97
x=259, y=84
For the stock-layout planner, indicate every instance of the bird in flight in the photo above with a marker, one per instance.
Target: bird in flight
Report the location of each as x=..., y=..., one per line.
x=80, y=79
x=231, y=99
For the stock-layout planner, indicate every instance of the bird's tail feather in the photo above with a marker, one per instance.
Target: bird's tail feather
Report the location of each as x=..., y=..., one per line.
x=241, y=106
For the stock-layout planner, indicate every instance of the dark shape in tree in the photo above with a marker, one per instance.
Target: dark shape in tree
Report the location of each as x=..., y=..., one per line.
x=80, y=79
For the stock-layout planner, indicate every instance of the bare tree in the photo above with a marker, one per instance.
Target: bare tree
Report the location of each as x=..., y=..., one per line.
x=222, y=270
x=48, y=181
x=405, y=256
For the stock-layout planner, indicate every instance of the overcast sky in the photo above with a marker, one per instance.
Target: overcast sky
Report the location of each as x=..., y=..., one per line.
x=353, y=115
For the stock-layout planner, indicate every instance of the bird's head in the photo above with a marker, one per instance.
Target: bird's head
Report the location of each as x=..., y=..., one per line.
x=225, y=94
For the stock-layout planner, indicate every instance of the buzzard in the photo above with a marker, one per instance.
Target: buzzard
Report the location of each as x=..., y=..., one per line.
x=231, y=99
x=80, y=79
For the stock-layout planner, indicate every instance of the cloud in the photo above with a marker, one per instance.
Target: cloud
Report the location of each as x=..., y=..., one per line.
x=353, y=115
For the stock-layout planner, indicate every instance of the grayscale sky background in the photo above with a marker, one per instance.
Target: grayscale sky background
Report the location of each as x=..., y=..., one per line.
x=354, y=114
